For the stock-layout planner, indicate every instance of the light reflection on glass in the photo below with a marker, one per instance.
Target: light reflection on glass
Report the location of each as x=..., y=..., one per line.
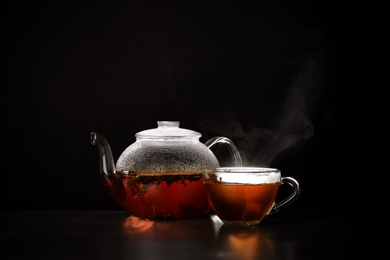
x=217, y=223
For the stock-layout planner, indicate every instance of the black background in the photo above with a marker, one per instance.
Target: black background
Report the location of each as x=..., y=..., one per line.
x=287, y=81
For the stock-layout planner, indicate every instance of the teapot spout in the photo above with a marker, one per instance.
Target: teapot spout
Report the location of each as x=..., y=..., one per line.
x=107, y=165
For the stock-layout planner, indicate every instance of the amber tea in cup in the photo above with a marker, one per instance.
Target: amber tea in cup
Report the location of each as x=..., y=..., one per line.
x=245, y=195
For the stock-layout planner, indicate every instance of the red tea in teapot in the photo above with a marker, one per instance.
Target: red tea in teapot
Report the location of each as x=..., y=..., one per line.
x=174, y=195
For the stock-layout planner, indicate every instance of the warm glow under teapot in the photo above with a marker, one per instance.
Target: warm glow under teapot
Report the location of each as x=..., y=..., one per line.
x=160, y=175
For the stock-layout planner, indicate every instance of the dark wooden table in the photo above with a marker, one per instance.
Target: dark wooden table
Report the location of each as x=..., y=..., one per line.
x=116, y=235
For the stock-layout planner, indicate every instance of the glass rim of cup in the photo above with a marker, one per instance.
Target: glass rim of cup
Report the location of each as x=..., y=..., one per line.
x=245, y=169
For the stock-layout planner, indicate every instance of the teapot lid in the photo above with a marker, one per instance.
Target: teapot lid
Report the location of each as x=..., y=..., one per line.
x=168, y=129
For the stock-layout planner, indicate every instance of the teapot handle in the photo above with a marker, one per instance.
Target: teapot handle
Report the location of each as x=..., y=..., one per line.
x=230, y=145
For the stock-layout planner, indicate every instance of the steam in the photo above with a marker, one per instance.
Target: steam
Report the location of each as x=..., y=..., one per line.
x=294, y=120
x=291, y=126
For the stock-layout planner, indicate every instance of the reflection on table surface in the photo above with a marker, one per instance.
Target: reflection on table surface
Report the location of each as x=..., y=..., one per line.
x=115, y=234
x=233, y=241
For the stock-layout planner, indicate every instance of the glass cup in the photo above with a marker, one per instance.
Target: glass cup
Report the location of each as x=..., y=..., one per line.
x=245, y=195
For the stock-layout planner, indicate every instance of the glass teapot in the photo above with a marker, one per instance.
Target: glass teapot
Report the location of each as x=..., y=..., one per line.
x=160, y=175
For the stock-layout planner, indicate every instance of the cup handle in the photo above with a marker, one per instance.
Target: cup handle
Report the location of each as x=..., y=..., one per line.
x=230, y=145
x=291, y=198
